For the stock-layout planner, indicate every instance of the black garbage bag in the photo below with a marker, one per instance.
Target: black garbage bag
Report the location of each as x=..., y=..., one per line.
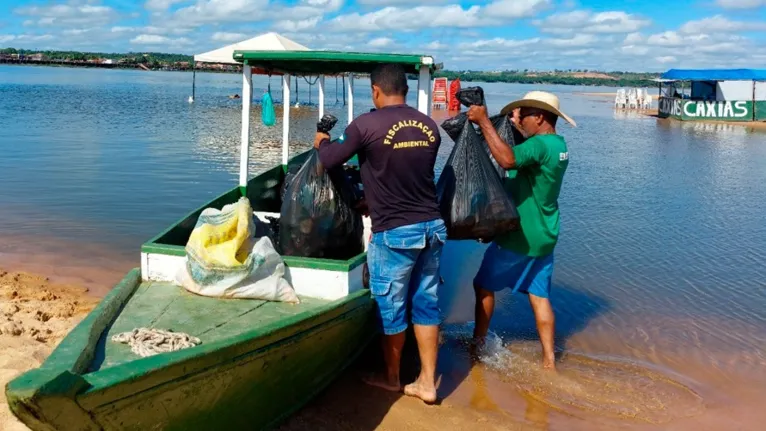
x=467, y=96
x=317, y=218
x=508, y=132
x=471, y=96
x=472, y=200
x=292, y=170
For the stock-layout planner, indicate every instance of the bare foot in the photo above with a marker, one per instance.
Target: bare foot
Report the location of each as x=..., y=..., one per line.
x=549, y=364
x=382, y=382
x=421, y=390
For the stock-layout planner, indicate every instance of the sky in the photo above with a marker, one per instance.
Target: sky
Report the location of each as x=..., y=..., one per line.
x=632, y=35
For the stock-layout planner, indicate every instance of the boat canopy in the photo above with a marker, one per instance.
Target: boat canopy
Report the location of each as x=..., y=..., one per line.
x=329, y=62
x=715, y=75
x=321, y=63
x=265, y=42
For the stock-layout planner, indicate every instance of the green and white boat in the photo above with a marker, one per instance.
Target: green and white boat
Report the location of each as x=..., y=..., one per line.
x=259, y=361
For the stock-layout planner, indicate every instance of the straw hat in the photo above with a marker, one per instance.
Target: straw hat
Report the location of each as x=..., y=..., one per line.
x=540, y=100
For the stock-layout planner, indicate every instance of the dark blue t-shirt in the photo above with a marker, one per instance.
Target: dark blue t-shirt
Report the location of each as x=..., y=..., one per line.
x=396, y=146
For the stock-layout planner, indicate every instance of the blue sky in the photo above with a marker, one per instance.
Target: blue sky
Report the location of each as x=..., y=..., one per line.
x=478, y=35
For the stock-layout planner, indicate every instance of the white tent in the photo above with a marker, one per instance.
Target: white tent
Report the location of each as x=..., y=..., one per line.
x=264, y=42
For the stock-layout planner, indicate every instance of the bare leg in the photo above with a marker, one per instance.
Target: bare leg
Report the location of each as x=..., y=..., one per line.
x=392, y=353
x=545, y=328
x=485, y=306
x=428, y=346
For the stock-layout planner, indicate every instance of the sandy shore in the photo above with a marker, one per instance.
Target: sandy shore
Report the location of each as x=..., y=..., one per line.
x=35, y=315
x=612, y=95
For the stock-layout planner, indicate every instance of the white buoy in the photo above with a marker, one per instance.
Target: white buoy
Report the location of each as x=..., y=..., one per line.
x=191, y=99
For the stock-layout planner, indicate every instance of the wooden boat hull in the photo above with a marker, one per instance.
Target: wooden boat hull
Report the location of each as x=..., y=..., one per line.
x=252, y=380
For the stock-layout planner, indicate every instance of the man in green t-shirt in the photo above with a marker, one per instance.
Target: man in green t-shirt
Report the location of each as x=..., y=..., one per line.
x=523, y=260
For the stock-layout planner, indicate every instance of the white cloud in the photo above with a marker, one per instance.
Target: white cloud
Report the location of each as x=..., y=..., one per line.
x=637, y=50
x=436, y=46
x=581, y=21
x=396, y=2
x=298, y=25
x=4, y=38
x=496, y=44
x=741, y=4
x=380, y=42
x=408, y=19
x=219, y=12
x=719, y=23
x=666, y=59
x=69, y=14
x=516, y=8
x=228, y=37
x=579, y=40
x=577, y=52
x=161, y=5
x=153, y=39
x=633, y=38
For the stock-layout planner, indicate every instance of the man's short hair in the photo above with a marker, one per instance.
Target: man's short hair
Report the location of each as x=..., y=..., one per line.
x=391, y=79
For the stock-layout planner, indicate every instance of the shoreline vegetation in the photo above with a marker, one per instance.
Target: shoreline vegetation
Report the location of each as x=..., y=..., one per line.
x=179, y=62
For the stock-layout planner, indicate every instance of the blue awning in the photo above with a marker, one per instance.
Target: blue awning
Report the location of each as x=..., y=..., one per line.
x=715, y=74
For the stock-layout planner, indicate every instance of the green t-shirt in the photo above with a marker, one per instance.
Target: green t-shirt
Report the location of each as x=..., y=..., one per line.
x=535, y=184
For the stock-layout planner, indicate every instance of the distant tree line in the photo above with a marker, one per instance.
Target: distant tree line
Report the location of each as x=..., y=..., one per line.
x=558, y=77
x=157, y=60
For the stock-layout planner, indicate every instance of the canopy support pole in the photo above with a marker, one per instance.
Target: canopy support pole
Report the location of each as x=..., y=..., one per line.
x=424, y=90
x=244, y=155
x=194, y=81
x=321, y=96
x=285, y=118
x=350, y=89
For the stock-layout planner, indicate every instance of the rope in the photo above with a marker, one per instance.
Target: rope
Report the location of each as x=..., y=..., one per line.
x=311, y=84
x=148, y=342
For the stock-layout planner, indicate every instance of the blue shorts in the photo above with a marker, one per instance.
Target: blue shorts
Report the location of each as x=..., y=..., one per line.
x=503, y=269
x=404, y=274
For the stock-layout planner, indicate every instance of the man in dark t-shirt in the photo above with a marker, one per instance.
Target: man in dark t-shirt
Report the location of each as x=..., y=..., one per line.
x=396, y=146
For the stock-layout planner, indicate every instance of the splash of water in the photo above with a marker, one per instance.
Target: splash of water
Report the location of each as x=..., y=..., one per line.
x=585, y=385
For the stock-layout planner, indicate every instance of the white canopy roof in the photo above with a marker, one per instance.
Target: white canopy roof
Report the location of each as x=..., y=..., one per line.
x=265, y=42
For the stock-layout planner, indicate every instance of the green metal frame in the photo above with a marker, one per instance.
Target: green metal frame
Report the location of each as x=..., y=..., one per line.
x=329, y=62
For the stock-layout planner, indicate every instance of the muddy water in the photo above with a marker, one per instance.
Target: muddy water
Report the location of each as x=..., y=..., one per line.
x=659, y=285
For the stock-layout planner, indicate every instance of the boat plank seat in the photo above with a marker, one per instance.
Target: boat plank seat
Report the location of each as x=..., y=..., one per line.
x=163, y=305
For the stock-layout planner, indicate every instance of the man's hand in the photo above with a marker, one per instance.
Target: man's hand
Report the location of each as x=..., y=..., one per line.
x=319, y=137
x=516, y=119
x=362, y=207
x=478, y=114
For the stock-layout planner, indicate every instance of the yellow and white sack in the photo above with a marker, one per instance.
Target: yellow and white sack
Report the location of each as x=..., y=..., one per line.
x=224, y=259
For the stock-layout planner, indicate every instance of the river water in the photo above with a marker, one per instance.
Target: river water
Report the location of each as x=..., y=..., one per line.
x=659, y=282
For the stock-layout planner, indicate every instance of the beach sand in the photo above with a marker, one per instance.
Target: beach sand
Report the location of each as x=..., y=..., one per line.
x=35, y=315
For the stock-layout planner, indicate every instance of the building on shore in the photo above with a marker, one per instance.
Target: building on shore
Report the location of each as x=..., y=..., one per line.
x=714, y=94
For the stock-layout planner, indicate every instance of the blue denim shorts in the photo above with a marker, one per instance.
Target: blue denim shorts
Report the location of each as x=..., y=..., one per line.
x=404, y=274
x=503, y=269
